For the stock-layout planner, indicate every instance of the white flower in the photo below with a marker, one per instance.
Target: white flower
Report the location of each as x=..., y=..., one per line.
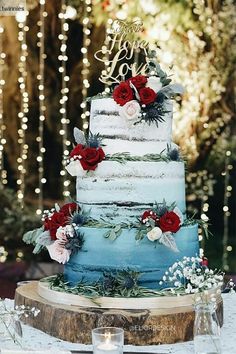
x=63, y=232
x=69, y=230
x=58, y=252
x=177, y=283
x=130, y=111
x=154, y=234
x=154, y=83
x=189, y=289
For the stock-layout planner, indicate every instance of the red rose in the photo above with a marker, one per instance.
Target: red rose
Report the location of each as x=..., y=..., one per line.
x=76, y=151
x=69, y=208
x=54, y=222
x=149, y=214
x=123, y=93
x=147, y=95
x=138, y=81
x=204, y=262
x=91, y=157
x=170, y=222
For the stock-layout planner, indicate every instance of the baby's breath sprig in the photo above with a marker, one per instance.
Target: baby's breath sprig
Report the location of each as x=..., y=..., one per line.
x=192, y=277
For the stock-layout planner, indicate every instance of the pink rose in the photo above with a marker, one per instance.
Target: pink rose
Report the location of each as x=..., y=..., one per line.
x=58, y=252
x=130, y=110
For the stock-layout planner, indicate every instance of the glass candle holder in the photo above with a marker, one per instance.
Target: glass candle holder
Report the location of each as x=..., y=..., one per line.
x=108, y=340
x=206, y=330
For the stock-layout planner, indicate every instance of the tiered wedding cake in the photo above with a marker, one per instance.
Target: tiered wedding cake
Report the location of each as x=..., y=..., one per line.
x=141, y=169
x=128, y=231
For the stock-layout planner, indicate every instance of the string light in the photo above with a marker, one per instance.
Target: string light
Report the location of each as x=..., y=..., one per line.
x=24, y=107
x=227, y=194
x=105, y=49
x=85, y=61
x=2, y=125
x=200, y=187
x=42, y=106
x=71, y=13
x=64, y=93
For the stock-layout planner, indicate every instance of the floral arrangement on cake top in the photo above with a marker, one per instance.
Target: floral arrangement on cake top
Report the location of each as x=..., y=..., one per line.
x=140, y=99
x=144, y=97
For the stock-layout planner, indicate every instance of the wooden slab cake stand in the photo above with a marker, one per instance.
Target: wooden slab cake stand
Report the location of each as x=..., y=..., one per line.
x=146, y=321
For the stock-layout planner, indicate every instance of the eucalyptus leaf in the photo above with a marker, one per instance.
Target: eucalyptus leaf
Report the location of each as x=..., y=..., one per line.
x=118, y=233
x=37, y=249
x=57, y=207
x=79, y=136
x=166, y=82
x=31, y=236
x=112, y=235
x=168, y=240
x=44, y=239
x=117, y=228
x=151, y=222
x=140, y=234
x=172, y=90
x=107, y=234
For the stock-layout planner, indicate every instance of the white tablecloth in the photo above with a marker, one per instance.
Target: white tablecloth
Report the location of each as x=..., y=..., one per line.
x=37, y=340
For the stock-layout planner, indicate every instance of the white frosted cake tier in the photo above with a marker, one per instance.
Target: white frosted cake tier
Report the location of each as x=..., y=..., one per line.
x=105, y=120
x=135, y=148
x=126, y=190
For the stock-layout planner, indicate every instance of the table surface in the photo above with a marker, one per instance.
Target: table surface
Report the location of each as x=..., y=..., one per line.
x=37, y=340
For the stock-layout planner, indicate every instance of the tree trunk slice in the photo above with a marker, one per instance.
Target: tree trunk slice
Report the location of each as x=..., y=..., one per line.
x=141, y=326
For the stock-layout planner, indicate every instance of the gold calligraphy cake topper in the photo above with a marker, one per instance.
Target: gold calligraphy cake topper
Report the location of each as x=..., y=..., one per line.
x=119, y=56
x=125, y=27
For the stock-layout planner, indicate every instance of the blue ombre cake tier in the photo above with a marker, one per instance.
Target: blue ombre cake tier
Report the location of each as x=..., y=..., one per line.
x=100, y=254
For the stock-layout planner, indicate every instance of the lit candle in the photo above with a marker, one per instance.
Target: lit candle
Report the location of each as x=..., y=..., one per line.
x=107, y=347
x=108, y=340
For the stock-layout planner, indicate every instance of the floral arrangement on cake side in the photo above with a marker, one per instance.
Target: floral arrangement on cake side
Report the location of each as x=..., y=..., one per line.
x=160, y=224
x=62, y=235
x=88, y=153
